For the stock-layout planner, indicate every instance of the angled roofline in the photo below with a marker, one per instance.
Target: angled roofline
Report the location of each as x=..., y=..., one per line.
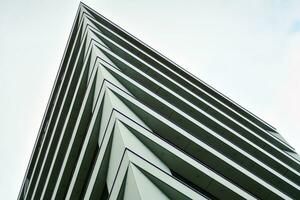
x=170, y=62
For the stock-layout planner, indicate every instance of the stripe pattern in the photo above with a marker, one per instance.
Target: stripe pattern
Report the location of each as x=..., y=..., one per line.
x=124, y=122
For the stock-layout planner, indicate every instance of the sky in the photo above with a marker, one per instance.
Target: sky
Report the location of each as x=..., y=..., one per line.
x=248, y=50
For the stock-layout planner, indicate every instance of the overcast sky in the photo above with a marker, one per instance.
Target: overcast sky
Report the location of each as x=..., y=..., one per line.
x=246, y=49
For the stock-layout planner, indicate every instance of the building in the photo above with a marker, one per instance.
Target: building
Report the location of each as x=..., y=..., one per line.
x=124, y=122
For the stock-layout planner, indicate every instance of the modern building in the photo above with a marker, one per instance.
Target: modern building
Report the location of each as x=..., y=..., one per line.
x=125, y=122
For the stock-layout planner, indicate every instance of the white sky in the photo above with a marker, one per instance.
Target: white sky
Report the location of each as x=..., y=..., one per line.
x=248, y=50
